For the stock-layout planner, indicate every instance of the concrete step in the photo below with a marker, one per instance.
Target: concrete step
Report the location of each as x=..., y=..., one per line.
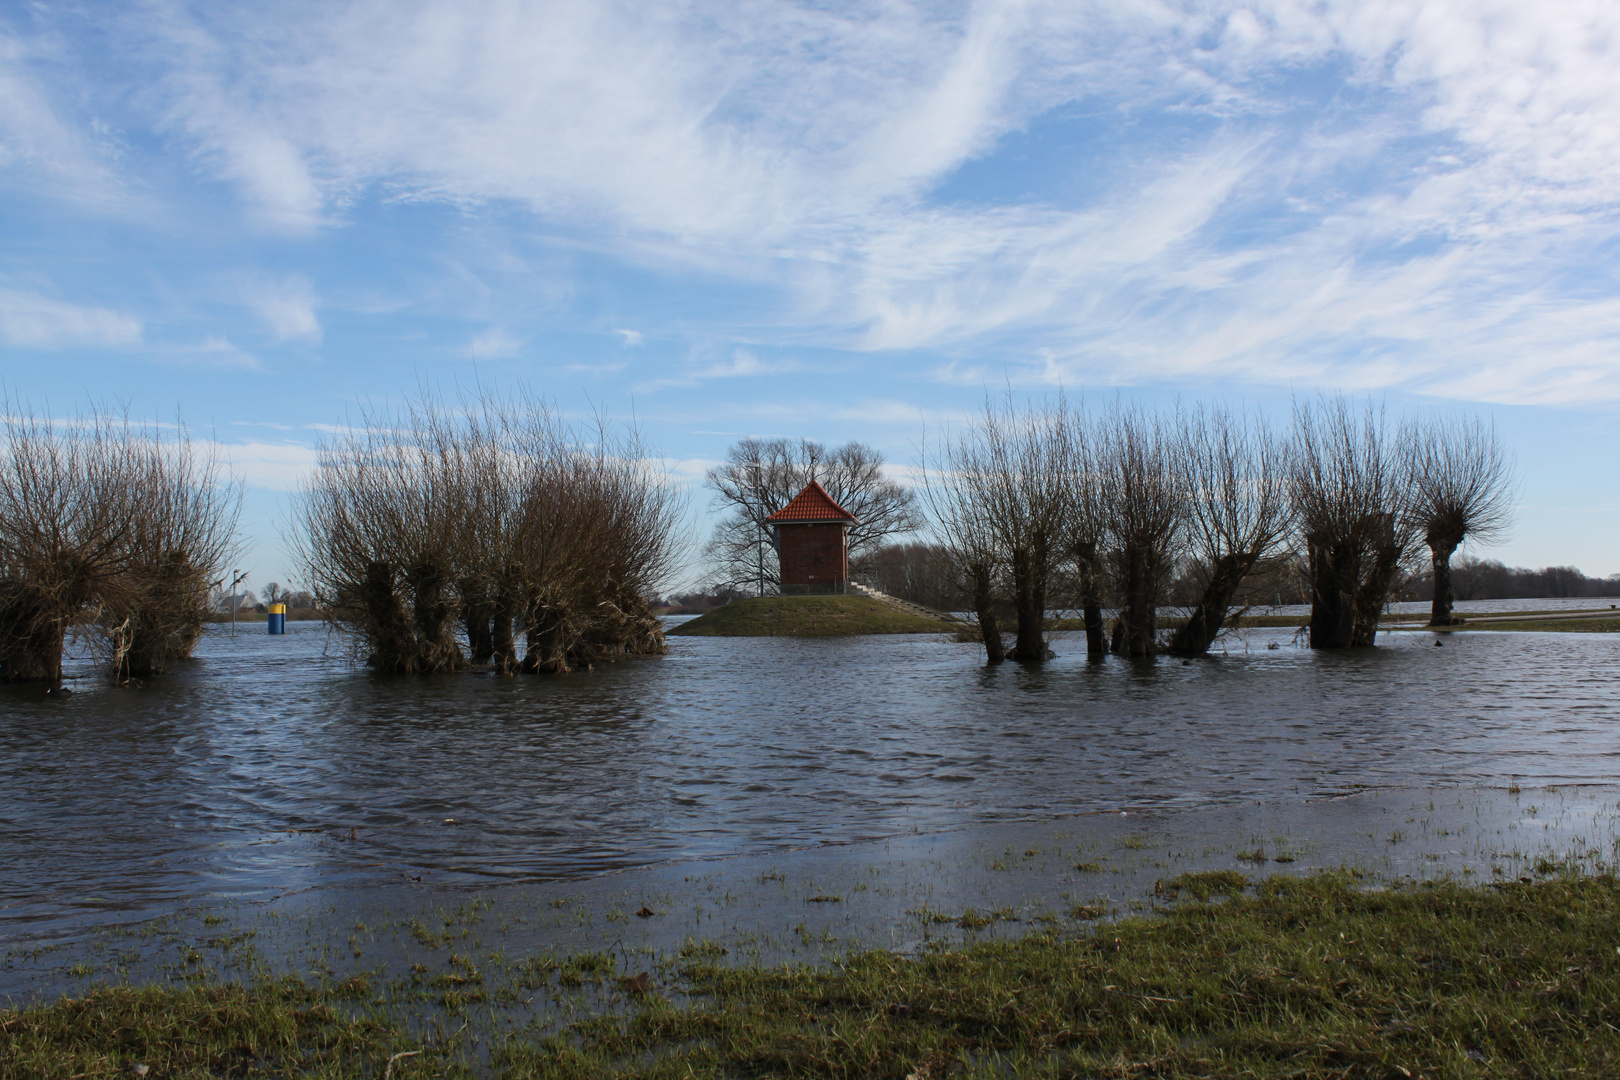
x=902, y=605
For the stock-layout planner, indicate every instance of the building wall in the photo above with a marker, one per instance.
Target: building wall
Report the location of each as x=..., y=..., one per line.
x=815, y=558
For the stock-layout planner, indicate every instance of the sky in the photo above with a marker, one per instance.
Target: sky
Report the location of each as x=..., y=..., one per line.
x=829, y=220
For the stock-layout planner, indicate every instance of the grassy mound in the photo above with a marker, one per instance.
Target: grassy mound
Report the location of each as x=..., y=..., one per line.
x=807, y=616
x=1288, y=977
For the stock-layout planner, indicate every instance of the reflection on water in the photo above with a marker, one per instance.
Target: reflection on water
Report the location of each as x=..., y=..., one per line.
x=245, y=774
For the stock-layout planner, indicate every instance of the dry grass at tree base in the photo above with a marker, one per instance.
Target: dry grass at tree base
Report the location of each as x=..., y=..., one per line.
x=806, y=616
x=1290, y=977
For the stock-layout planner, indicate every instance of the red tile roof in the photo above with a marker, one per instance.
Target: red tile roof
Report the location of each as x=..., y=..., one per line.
x=811, y=504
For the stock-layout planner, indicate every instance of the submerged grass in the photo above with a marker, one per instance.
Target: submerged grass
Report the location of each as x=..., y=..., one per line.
x=1292, y=977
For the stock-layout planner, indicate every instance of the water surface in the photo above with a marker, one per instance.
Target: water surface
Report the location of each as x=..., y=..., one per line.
x=270, y=764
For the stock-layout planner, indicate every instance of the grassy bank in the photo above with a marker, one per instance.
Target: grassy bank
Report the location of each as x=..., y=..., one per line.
x=1598, y=625
x=295, y=615
x=1290, y=977
x=806, y=616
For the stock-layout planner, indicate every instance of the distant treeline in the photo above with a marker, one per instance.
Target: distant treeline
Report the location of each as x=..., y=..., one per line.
x=1486, y=579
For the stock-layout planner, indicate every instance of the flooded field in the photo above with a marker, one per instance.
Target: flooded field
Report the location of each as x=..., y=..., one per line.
x=271, y=766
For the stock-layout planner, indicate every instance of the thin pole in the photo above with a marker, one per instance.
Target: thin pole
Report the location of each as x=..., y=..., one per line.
x=237, y=580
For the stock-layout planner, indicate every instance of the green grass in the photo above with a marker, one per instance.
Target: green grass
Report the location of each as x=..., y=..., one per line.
x=1299, y=978
x=806, y=616
x=1552, y=626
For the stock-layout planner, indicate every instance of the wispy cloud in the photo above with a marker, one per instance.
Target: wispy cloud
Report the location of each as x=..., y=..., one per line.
x=1417, y=195
x=41, y=144
x=742, y=364
x=288, y=306
x=31, y=320
x=213, y=351
x=494, y=344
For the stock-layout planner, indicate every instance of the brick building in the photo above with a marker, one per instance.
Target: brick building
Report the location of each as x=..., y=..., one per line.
x=811, y=537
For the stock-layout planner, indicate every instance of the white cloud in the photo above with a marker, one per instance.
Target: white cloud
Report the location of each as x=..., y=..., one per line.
x=288, y=306
x=631, y=338
x=213, y=351
x=494, y=344
x=277, y=466
x=32, y=321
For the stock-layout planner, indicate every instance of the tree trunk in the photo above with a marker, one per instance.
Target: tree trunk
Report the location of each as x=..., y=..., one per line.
x=478, y=618
x=163, y=626
x=433, y=617
x=33, y=625
x=1440, y=559
x=503, y=645
x=1091, y=601
x=30, y=642
x=1374, y=592
x=1029, y=597
x=146, y=646
x=1137, y=624
x=546, y=638
x=393, y=644
x=984, y=606
x=1206, y=620
x=1335, y=569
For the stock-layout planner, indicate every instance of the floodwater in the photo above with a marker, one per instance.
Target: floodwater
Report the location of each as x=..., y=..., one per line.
x=270, y=765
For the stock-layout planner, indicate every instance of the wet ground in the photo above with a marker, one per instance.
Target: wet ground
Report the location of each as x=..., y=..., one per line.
x=822, y=902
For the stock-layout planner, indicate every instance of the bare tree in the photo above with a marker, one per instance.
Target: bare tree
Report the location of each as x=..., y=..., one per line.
x=760, y=476
x=381, y=519
x=1142, y=482
x=1021, y=471
x=958, y=486
x=1238, y=512
x=63, y=525
x=495, y=516
x=1462, y=488
x=1085, y=525
x=1032, y=488
x=107, y=528
x=1349, y=489
x=180, y=532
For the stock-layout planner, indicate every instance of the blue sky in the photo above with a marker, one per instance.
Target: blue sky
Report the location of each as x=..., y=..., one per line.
x=831, y=220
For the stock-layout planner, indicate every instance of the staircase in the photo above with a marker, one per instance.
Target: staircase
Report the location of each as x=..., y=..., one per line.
x=857, y=589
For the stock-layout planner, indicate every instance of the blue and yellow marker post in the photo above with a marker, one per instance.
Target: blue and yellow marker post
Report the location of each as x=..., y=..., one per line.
x=278, y=619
